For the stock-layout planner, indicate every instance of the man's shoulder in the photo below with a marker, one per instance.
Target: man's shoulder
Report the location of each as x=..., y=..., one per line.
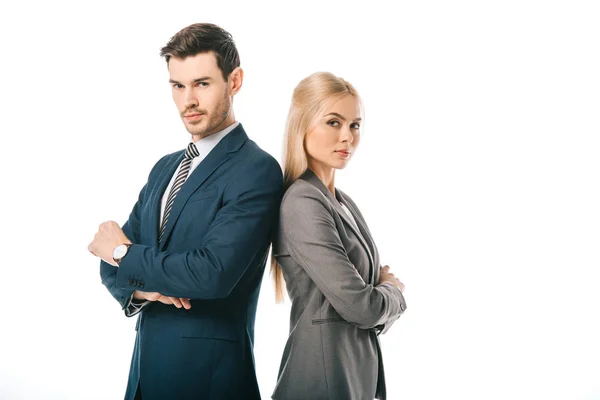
x=163, y=162
x=253, y=150
x=171, y=156
x=168, y=158
x=252, y=167
x=250, y=155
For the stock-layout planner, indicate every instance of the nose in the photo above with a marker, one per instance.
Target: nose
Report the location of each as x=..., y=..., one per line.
x=190, y=100
x=346, y=135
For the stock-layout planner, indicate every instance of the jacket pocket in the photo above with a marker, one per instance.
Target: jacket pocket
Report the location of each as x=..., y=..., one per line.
x=327, y=320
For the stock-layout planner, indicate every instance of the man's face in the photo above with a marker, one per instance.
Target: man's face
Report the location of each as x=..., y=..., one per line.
x=201, y=95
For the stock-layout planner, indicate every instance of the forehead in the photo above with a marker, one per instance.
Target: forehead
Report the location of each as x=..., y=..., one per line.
x=347, y=106
x=193, y=67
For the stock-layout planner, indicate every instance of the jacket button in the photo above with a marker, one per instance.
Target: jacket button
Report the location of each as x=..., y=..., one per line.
x=130, y=281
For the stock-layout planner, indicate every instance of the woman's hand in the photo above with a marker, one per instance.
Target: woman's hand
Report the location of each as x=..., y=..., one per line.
x=385, y=276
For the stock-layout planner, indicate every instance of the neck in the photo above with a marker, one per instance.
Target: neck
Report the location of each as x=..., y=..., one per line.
x=326, y=174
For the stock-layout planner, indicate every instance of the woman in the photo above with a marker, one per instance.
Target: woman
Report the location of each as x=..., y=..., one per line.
x=341, y=297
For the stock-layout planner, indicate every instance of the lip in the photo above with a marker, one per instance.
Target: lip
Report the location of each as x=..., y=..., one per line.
x=193, y=117
x=343, y=153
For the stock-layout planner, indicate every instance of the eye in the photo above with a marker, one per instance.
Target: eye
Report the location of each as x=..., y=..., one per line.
x=202, y=84
x=355, y=125
x=333, y=123
x=178, y=86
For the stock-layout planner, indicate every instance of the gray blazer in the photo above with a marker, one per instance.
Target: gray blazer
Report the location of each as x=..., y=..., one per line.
x=331, y=270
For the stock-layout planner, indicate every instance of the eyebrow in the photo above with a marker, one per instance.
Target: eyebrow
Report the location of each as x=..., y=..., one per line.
x=341, y=116
x=204, y=78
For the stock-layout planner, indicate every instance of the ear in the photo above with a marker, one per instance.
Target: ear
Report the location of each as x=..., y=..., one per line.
x=235, y=80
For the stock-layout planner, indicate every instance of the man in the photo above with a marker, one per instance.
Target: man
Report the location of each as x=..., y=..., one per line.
x=191, y=256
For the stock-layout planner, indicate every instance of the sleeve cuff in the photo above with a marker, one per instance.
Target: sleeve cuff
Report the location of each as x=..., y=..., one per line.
x=134, y=306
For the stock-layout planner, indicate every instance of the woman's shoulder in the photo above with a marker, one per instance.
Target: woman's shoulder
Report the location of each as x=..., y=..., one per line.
x=303, y=194
x=300, y=189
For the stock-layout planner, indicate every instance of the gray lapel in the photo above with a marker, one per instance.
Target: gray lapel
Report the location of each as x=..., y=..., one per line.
x=366, y=234
x=313, y=179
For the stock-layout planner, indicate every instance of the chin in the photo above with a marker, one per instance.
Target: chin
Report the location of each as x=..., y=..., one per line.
x=195, y=129
x=341, y=165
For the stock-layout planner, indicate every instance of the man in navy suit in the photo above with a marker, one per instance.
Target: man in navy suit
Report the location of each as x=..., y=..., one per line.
x=191, y=256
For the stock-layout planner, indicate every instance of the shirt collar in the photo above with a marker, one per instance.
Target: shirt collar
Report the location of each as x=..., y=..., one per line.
x=206, y=144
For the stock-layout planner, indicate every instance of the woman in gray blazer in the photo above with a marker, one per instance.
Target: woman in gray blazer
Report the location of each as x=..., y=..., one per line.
x=342, y=298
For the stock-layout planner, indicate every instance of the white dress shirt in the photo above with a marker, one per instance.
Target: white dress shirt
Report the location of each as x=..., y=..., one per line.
x=350, y=215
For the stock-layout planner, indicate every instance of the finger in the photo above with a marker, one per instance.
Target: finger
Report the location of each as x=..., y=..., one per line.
x=176, y=302
x=153, y=296
x=186, y=303
x=164, y=300
x=386, y=268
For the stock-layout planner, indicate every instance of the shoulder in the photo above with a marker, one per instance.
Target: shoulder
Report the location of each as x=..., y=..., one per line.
x=253, y=170
x=165, y=160
x=169, y=158
x=304, y=197
x=300, y=190
x=254, y=160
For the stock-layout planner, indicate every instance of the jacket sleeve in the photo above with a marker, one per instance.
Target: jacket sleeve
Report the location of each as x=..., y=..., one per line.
x=131, y=228
x=310, y=234
x=388, y=324
x=108, y=273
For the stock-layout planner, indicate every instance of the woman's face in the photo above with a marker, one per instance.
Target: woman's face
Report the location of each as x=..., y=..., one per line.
x=335, y=135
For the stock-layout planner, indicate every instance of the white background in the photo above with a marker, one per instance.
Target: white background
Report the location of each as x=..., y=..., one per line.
x=478, y=174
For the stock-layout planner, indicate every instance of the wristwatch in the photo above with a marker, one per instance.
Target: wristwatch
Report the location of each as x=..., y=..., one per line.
x=120, y=251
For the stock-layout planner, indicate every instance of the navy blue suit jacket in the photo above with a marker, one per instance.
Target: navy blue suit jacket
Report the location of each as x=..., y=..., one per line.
x=213, y=251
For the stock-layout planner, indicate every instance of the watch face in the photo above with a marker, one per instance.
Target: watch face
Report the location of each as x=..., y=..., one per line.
x=119, y=252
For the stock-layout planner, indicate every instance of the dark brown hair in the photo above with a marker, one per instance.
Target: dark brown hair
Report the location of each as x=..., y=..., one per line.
x=204, y=38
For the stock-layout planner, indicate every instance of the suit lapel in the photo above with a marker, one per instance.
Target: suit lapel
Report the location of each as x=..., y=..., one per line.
x=220, y=154
x=310, y=176
x=368, y=240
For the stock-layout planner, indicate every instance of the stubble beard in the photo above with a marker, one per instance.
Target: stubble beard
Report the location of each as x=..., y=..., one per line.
x=215, y=119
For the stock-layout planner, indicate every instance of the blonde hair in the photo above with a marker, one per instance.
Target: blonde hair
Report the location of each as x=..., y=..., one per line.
x=310, y=99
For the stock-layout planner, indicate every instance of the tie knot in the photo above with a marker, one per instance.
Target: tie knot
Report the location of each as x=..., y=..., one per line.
x=191, y=151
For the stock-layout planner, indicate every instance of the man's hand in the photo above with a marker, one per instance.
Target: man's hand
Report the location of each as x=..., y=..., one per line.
x=155, y=296
x=109, y=236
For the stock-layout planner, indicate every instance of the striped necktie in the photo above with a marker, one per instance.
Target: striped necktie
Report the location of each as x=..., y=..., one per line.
x=184, y=170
